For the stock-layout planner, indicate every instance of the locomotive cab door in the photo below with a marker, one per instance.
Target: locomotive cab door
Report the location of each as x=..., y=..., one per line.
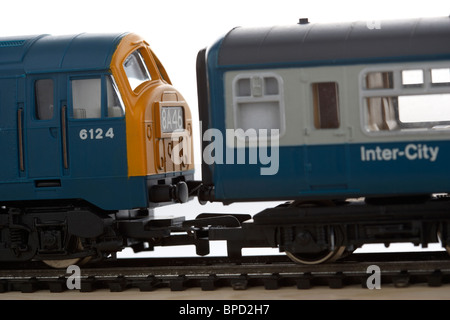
x=95, y=130
x=43, y=131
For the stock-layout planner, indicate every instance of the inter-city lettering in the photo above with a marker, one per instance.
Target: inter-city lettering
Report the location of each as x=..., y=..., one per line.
x=411, y=151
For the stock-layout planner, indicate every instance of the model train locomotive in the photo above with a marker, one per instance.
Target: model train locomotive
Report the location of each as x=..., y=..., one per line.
x=88, y=123
x=348, y=122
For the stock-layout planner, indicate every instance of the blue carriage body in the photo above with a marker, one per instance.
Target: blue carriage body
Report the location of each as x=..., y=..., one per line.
x=349, y=102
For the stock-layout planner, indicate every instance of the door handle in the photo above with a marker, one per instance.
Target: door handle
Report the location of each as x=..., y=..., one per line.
x=53, y=132
x=64, y=136
x=20, y=136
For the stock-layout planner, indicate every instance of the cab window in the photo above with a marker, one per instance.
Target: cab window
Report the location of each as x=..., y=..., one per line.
x=87, y=98
x=115, y=106
x=161, y=69
x=90, y=95
x=44, y=99
x=136, y=70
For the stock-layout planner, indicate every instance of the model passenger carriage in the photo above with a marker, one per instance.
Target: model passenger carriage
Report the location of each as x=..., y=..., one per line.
x=87, y=131
x=357, y=110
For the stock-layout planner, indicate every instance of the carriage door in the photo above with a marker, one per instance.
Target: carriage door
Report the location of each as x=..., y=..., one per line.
x=43, y=141
x=326, y=148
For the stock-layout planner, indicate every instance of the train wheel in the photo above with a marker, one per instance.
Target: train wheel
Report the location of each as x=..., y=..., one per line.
x=64, y=263
x=61, y=264
x=325, y=255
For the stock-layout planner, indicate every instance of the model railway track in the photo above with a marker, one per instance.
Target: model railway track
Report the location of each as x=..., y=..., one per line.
x=271, y=272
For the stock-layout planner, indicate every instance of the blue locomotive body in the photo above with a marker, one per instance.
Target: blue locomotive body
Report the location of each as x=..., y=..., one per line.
x=356, y=110
x=64, y=131
x=44, y=156
x=83, y=145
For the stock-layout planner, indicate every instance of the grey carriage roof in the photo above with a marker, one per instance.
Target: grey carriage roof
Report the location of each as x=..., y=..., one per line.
x=338, y=42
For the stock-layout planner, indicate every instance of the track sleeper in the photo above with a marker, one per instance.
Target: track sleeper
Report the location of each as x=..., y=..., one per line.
x=240, y=283
x=178, y=284
x=272, y=282
x=209, y=283
x=4, y=287
x=118, y=285
x=304, y=281
x=337, y=281
x=58, y=285
x=402, y=280
x=29, y=286
x=435, y=279
x=149, y=284
x=88, y=284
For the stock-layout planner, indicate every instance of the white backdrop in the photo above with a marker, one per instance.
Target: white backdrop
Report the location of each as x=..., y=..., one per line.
x=178, y=29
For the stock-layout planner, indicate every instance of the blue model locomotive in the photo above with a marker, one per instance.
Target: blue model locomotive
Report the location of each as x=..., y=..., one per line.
x=83, y=141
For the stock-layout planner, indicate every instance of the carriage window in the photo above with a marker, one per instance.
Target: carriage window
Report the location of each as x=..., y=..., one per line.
x=379, y=80
x=270, y=86
x=136, y=70
x=326, y=105
x=431, y=108
x=44, y=99
x=412, y=78
x=87, y=99
x=381, y=113
x=243, y=88
x=440, y=76
x=418, y=99
x=258, y=102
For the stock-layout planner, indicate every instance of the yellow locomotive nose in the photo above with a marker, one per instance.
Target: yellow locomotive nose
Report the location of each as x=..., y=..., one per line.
x=158, y=121
x=172, y=132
